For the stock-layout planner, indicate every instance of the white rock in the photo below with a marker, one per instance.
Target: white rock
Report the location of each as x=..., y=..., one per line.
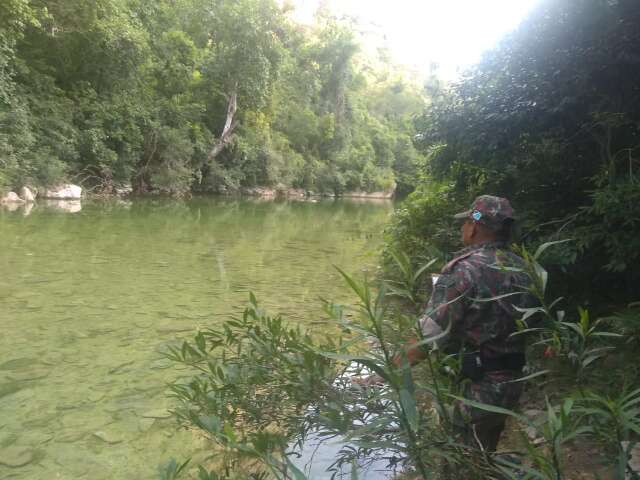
x=296, y=193
x=634, y=459
x=64, y=192
x=27, y=195
x=11, y=197
x=123, y=190
x=263, y=192
x=108, y=437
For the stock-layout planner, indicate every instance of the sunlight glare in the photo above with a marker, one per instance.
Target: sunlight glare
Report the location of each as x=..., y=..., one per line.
x=450, y=33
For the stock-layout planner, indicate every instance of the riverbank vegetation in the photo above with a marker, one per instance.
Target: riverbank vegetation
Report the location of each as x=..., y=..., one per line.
x=172, y=97
x=262, y=388
x=550, y=120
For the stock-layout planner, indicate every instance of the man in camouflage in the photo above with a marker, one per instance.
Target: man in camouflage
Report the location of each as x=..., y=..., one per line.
x=473, y=302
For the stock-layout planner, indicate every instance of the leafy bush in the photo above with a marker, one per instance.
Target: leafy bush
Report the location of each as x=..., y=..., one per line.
x=611, y=224
x=256, y=376
x=423, y=225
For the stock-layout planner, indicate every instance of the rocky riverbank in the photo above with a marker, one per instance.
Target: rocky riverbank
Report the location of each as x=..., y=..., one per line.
x=55, y=196
x=274, y=192
x=29, y=194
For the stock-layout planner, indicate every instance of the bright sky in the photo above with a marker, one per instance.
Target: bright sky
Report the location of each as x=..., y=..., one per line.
x=451, y=33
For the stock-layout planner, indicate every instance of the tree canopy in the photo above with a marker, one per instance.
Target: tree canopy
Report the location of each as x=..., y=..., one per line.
x=173, y=96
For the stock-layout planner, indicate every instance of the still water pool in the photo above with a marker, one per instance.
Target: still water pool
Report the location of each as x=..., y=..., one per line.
x=89, y=298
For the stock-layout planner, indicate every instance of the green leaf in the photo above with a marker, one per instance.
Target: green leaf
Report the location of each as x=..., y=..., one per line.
x=408, y=402
x=354, y=470
x=490, y=408
x=589, y=359
x=498, y=297
x=577, y=432
x=607, y=334
x=171, y=470
x=201, y=342
x=542, y=274
x=528, y=312
x=421, y=270
x=531, y=376
x=514, y=467
x=631, y=396
x=361, y=291
x=297, y=473
x=204, y=475
x=546, y=245
x=402, y=261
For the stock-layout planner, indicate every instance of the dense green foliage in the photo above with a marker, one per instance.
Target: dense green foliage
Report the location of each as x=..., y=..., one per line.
x=549, y=119
x=111, y=92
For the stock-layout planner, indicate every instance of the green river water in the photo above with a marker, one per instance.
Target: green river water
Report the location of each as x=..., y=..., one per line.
x=89, y=300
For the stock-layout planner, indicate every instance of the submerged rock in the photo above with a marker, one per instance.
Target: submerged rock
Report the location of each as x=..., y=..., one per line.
x=17, y=363
x=70, y=436
x=108, y=437
x=121, y=368
x=31, y=374
x=10, y=388
x=161, y=364
x=95, y=397
x=159, y=413
x=145, y=424
x=16, y=457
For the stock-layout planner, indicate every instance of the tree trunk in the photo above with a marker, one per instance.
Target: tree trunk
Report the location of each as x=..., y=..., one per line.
x=229, y=126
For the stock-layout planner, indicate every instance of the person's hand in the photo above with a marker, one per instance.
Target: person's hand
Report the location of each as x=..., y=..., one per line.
x=368, y=381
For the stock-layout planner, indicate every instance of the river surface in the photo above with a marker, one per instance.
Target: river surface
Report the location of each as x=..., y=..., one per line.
x=91, y=295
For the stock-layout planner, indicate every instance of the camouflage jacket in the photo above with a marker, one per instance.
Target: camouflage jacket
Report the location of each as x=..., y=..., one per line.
x=461, y=299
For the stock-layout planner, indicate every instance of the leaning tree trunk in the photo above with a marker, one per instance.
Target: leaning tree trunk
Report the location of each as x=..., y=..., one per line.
x=229, y=126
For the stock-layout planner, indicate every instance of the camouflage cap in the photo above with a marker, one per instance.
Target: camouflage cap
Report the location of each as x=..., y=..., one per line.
x=489, y=211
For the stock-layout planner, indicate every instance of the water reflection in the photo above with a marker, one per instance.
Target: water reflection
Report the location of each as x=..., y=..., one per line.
x=69, y=206
x=11, y=207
